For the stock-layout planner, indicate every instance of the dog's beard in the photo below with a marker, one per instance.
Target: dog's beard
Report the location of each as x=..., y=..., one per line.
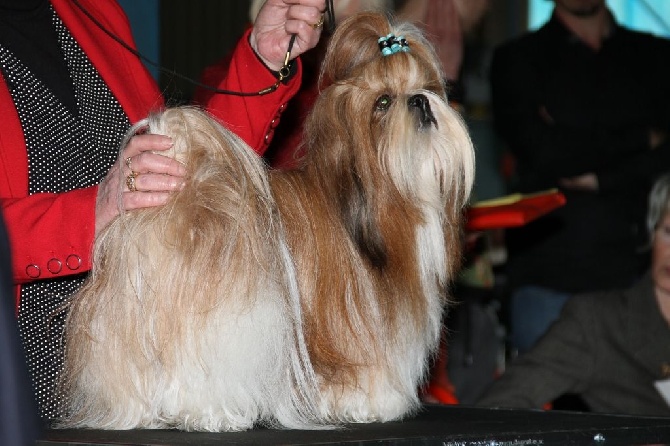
x=431, y=164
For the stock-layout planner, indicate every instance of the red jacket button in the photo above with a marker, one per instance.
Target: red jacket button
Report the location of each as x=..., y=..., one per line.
x=54, y=266
x=73, y=262
x=268, y=137
x=33, y=271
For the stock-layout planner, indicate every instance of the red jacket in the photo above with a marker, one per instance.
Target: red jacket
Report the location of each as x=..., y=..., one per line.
x=51, y=235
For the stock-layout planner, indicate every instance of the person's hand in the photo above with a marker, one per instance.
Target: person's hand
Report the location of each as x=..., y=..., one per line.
x=277, y=21
x=587, y=182
x=155, y=177
x=656, y=138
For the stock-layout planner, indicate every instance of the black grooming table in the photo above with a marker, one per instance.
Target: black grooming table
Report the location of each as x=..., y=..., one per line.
x=435, y=425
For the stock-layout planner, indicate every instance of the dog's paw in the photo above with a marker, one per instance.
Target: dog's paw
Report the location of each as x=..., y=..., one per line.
x=211, y=422
x=362, y=407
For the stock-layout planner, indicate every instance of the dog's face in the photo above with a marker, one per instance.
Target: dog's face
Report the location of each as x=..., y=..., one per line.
x=384, y=122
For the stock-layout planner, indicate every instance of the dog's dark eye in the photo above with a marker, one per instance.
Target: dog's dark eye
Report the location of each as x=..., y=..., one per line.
x=383, y=102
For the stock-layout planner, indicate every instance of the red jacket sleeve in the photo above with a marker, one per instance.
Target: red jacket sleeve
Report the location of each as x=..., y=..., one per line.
x=253, y=118
x=50, y=235
x=43, y=246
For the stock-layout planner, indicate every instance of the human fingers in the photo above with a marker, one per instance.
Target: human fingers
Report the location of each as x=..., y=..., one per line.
x=146, y=142
x=309, y=11
x=121, y=189
x=146, y=169
x=150, y=162
x=306, y=23
x=114, y=195
x=278, y=21
x=108, y=205
x=152, y=182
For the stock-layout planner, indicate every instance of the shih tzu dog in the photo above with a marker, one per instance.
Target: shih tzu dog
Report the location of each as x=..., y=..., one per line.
x=295, y=299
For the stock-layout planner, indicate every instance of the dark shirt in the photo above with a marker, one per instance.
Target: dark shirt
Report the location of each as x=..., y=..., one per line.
x=600, y=107
x=27, y=30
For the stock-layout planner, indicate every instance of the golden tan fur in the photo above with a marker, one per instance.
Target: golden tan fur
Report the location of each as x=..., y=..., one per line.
x=300, y=298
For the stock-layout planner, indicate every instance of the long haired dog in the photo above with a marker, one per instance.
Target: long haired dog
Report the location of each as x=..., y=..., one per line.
x=295, y=299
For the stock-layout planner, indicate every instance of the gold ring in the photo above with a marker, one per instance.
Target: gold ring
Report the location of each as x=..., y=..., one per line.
x=319, y=24
x=130, y=181
x=128, y=161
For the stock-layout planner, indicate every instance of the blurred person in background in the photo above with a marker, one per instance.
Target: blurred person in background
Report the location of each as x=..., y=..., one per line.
x=611, y=347
x=582, y=104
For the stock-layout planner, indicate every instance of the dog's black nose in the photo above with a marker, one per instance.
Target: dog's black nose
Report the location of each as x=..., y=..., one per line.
x=421, y=103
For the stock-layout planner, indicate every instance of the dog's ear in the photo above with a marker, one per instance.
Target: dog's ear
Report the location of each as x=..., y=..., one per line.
x=348, y=153
x=360, y=221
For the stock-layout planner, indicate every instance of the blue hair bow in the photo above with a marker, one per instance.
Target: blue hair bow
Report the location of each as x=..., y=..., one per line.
x=390, y=44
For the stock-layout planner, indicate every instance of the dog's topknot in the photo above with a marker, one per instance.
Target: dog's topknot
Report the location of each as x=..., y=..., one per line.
x=355, y=45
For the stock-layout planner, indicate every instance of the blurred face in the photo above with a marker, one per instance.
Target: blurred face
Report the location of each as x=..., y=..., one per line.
x=660, y=260
x=580, y=8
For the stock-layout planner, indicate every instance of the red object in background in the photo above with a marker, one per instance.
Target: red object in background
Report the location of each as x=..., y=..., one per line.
x=512, y=210
x=440, y=389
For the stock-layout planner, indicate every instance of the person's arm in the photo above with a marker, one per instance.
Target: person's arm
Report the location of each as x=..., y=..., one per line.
x=259, y=54
x=40, y=227
x=51, y=234
x=640, y=169
x=253, y=118
x=563, y=361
